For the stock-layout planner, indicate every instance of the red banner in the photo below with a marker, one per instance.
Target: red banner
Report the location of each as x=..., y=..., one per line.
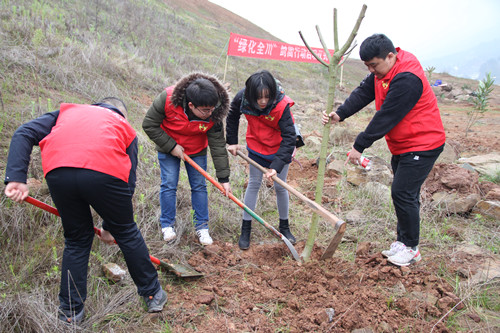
x=250, y=47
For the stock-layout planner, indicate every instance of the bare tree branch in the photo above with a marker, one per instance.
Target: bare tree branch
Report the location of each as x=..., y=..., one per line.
x=311, y=50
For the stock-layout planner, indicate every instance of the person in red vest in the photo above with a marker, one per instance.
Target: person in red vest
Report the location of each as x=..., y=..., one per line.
x=270, y=139
x=187, y=118
x=89, y=159
x=408, y=116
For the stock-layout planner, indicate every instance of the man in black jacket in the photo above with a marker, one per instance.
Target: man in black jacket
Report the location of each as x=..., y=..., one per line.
x=89, y=159
x=408, y=116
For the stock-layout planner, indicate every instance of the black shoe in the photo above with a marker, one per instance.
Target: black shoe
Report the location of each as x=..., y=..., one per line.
x=285, y=231
x=246, y=228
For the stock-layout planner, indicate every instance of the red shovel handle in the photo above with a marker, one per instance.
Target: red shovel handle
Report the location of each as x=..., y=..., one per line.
x=54, y=211
x=42, y=205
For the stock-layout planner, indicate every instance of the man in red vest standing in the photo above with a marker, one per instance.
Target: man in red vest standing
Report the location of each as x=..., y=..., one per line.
x=408, y=116
x=89, y=159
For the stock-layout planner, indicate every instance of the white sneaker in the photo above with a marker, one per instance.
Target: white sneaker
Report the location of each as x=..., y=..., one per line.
x=395, y=248
x=168, y=233
x=405, y=257
x=204, y=236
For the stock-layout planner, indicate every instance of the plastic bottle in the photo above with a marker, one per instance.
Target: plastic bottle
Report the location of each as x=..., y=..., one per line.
x=364, y=162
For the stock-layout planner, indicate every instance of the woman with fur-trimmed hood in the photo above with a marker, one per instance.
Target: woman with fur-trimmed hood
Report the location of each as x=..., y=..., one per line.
x=187, y=118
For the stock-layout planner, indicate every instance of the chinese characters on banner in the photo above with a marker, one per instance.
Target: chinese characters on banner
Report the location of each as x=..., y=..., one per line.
x=245, y=46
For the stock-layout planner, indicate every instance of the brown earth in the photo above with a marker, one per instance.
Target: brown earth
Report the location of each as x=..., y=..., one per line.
x=264, y=290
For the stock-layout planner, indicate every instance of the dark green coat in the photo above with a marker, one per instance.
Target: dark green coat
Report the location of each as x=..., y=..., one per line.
x=216, y=141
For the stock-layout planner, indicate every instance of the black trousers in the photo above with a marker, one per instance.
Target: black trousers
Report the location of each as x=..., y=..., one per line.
x=74, y=191
x=410, y=171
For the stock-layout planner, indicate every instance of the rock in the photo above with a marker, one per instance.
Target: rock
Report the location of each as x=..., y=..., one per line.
x=379, y=191
x=493, y=194
x=379, y=173
x=488, y=164
x=354, y=216
x=451, y=178
x=467, y=166
x=488, y=208
x=373, y=275
x=337, y=166
x=321, y=317
x=330, y=312
x=398, y=289
x=363, y=330
x=384, y=327
x=386, y=269
x=449, y=154
x=487, y=271
x=452, y=203
x=363, y=248
x=405, y=270
x=205, y=299
x=474, y=317
x=113, y=272
x=424, y=297
x=445, y=303
x=313, y=143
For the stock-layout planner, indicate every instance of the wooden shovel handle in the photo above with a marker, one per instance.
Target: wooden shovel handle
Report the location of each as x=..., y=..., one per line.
x=332, y=219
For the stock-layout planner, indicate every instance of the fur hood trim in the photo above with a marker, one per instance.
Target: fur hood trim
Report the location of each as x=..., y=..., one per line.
x=179, y=94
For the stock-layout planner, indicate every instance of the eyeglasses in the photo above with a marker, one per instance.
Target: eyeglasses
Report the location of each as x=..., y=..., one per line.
x=205, y=110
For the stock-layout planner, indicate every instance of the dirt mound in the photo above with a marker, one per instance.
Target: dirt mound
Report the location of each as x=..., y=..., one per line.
x=451, y=178
x=263, y=289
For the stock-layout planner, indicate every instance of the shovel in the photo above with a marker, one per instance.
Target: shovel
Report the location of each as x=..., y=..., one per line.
x=245, y=207
x=337, y=223
x=178, y=270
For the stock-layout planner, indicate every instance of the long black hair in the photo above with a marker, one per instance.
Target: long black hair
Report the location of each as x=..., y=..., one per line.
x=257, y=84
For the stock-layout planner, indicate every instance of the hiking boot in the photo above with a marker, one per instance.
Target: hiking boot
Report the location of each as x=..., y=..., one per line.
x=395, y=248
x=168, y=233
x=405, y=257
x=285, y=231
x=244, y=241
x=155, y=303
x=70, y=317
x=204, y=236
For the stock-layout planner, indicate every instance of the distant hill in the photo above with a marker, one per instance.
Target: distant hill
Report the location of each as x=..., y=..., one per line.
x=472, y=63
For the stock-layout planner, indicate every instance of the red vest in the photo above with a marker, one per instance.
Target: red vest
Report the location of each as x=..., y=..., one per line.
x=263, y=132
x=88, y=137
x=190, y=134
x=421, y=129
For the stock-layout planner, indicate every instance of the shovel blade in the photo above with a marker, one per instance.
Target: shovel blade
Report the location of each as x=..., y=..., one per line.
x=332, y=247
x=291, y=248
x=179, y=270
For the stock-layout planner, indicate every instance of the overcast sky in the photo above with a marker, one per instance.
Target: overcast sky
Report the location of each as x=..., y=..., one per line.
x=427, y=28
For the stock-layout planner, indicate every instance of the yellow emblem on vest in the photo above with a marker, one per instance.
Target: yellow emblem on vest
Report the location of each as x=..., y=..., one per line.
x=270, y=118
x=203, y=128
x=385, y=85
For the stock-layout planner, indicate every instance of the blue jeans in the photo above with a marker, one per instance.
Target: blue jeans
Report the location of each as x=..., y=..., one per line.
x=170, y=168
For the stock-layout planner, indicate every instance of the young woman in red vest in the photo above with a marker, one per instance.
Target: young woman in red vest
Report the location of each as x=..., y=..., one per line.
x=408, y=116
x=188, y=118
x=270, y=140
x=89, y=159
